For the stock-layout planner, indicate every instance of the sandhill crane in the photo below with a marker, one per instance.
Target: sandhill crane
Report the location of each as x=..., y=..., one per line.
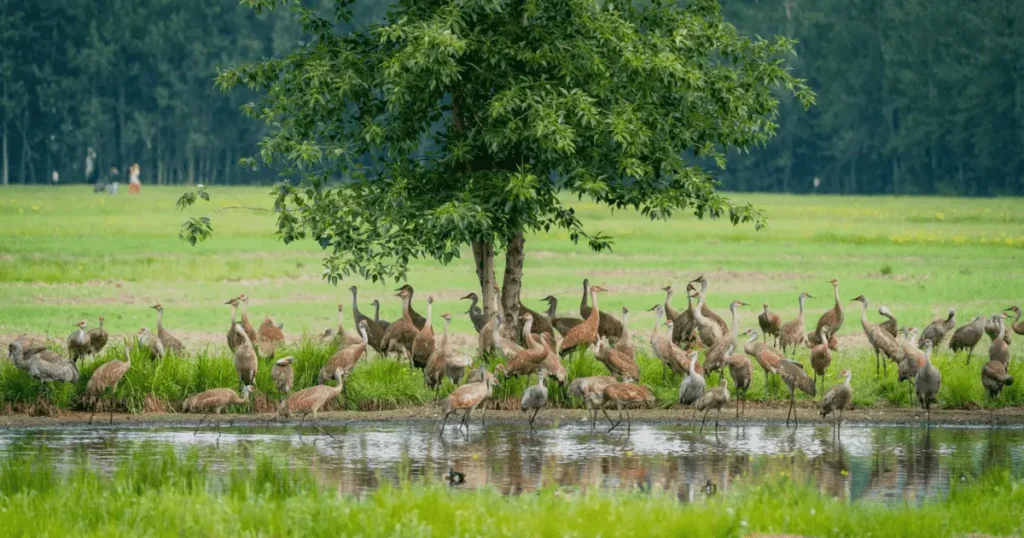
x=716, y=398
x=417, y=319
x=270, y=337
x=78, y=342
x=672, y=313
x=374, y=330
x=341, y=337
x=792, y=333
x=283, y=374
x=402, y=332
x=821, y=357
x=445, y=362
x=671, y=356
x=423, y=343
x=937, y=329
x=246, y=364
x=1017, y=325
x=246, y=326
x=833, y=318
x=623, y=396
x=591, y=390
x=693, y=385
x=214, y=401
x=562, y=325
x=607, y=326
x=586, y=333
x=234, y=339
x=625, y=343
x=535, y=352
x=836, y=400
x=912, y=359
x=535, y=397
x=486, y=339
x=741, y=372
x=794, y=376
x=684, y=326
x=771, y=323
x=705, y=310
x=890, y=324
x=476, y=314
x=468, y=397
x=541, y=323
x=967, y=337
x=507, y=346
x=105, y=378
x=155, y=346
x=766, y=356
x=710, y=331
x=383, y=324
x=878, y=338
x=552, y=362
x=999, y=350
x=994, y=376
x=618, y=364
x=344, y=361
x=992, y=327
x=928, y=381
x=45, y=366
x=308, y=401
x=98, y=338
x=170, y=343
x=714, y=360
x=30, y=345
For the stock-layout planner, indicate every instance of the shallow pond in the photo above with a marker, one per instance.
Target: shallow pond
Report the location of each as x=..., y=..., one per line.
x=886, y=464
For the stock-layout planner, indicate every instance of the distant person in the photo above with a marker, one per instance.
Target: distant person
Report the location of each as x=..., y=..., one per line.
x=54, y=178
x=134, y=185
x=92, y=172
x=112, y=181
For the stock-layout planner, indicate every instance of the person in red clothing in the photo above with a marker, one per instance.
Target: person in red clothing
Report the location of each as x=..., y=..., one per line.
x=134, y=185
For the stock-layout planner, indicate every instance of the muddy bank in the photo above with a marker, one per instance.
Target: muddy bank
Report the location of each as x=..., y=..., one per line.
x=755, y=414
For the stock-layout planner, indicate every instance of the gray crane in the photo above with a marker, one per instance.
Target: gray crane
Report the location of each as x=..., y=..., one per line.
x=928, y=381
x=535, y=398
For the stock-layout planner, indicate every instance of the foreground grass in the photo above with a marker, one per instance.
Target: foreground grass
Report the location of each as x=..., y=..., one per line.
x=156, y=493
x=382, y=384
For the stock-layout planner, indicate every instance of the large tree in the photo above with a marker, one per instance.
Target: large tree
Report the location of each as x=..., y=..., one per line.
x=455, y=123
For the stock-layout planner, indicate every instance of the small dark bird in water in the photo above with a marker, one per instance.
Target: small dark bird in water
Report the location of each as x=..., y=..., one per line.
x=710, y=488
x=454, y=478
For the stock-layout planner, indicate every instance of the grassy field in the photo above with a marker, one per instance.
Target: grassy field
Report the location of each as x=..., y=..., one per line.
x=66, y=255
x=155, y=493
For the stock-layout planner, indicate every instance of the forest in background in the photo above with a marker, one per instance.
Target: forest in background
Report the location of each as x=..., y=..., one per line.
x=914, y=97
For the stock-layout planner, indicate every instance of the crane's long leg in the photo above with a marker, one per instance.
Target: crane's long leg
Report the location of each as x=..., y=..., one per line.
x=444, y=422
x=111, y=408
x=95, y=406
x=200, y=424
x=737, y=404
x=703, y=420
x=766, y=384
x=885, y=368
x=792, y=404
x=717, y=417
x=629, y=422
x=605, y=411
x=876, y=362
x=790, y=412
x=969, y=353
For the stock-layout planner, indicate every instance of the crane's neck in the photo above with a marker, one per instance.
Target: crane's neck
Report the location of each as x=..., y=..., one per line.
x=732, y=308
x=234, y=314
x=405, y=308
x=729, y=350
x=693, y=365
x=586, y=291
x=101, y=323
x=846, y=380
x=595, y=313
x=625, y=316
x=823, y=336
x=751, y=342
x=668, y=298
x=430, y=311
x=928, y=355
x=657, y=321
x=802, y=299
x=496, y=328
x=689, y=303
x=835, y=293
x=362, y=331
x=551, y=308
x=697, y=311
x=444, y=334
x=1002, y=329
x=240, y=331
x=1015, y=320
x=355, y=304
x=341, y=322
x=376, y=311
x=527, y=329
x=160, y=319
x=864, y=312
x=912, y=339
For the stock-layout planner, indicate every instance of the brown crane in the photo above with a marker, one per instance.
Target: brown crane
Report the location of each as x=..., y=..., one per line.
x=586, y=333
x=625, y=343
x=535, y=398
x=444, y=362
x=684, y=326
x=771, y=324
x=486, y=339
x=308, y=401
x=618, y=364
x=170, y=343
x=468, y=397
x=608, y=326
x=591, y=390
x=524, y=362
x=794, y=376
x=741, y=372
x=155, y=346
x=716, y=398
x=967, y=337
x=999, y=350
x=890, y=324
x=692, y=386
x=402, y=332
x=714, y=360
x=271, y=336
x=562, y=325
x=214, y=401
x=552, y=362
x=704, y=309
x=766, y=356
x=249, y=330
x=78, y=342
x=344, y=361
x=341, y=338
x=792, y=333
x=45, y=366
x=417, y=319
x=821, y=357
x=1017, y=325
x=374, y=330
x=672, y=313
x=246, y=364
x=423, y=343
x=98, y=338
x=833, y=318
x=994, y=376
x=671, y=356
x=383, y=324
x=476, y=314
x=105, y=378
x=623, y=396
x=283, y=375
x=234, y=339
x=837, y=399
x=928, y=381
x=541, y=323
x=710, y=331
x=937, y=329
x=992, y=327
x=30, y=345
x=878, y=338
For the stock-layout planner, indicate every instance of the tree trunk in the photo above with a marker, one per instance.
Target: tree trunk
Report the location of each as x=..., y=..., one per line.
x=513, y=283
x=483, y=254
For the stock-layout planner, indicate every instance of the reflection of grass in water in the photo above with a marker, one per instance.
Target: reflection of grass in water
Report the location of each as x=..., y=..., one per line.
x=154, y=491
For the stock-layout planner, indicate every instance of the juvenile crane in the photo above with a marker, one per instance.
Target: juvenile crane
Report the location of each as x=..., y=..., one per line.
x=928, y=381
x=684, y=327
x=741, y=372
x=591, y=390
x=468, y=397
x=967, y=337
x=1017, y=325
x=794, y=376
x=344, y=361
x=766, y=356
x=423, y=343
x=98, y=338
x=836, y=400
x=341, y=337
x=214, y=401
x=562, y=325
x=693, y=385
x=271, y=336
x=586, y=333
x=671, y=356
x=771, y=324
x=992, y=327
x=623, y=396
x=170, y=343
x=283, y=375
x=417, y=319
x=937, y=329
x=45, y=366
x=535, y=398
x=999, y=350
x=625, y=344
x=672, y=313
x=716, y=398
x=155, y=346
x=618, y=363
x=234, y=339
x=821, y=357
x=890, y=324
x=401, y=333
x=105, y=378
x=246, y=364
x=78, y=342
x=710, y=331
x=383, y=324
x=374, y=330
x=705, y=310
x=476, y=314
x=878, y=338
x=246, y=326
x=607, y=325
x=832, y=318
x=444, y=362
x=308, y=401
x=714, y=360
x=793, y=332
x=913, y=358
x=552, y=362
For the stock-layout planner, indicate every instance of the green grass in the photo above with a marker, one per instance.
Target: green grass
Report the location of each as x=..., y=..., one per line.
x=157, y=493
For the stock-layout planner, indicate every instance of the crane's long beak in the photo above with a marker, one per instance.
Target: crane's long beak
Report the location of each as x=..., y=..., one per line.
x=466, y=297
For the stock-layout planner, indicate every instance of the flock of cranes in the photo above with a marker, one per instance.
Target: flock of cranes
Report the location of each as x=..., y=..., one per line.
x=542, y=341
